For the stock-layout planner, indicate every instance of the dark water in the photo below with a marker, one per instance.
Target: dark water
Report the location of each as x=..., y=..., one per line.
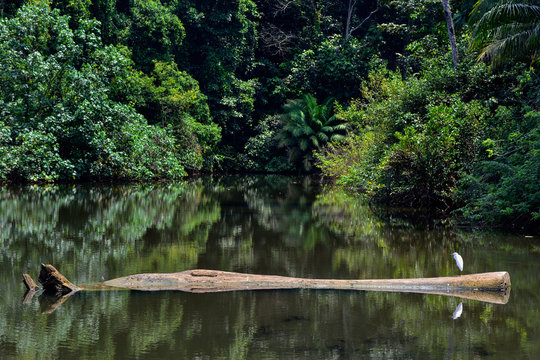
x=266, y=225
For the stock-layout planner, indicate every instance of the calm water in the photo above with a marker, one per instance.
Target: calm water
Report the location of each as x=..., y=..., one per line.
x=266, y=225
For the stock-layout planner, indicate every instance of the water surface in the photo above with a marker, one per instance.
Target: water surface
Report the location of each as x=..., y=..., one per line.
x=257, y=224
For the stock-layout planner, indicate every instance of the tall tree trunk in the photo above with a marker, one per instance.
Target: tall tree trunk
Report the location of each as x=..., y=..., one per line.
x=451, y=32
x=349, y=29
x=350, y=9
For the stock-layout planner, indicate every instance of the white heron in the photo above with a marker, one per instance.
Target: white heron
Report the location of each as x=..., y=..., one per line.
x=459, y=260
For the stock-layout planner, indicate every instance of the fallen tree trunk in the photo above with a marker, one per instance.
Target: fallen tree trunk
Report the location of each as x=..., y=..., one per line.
x=213, y=280
x=491, y=287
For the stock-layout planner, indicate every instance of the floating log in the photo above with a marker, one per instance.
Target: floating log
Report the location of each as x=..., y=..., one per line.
x=213, y=280
x=491, y=287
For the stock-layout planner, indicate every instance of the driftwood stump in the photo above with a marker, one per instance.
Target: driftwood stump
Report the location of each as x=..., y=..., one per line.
x=29, y=283
x=55, y=283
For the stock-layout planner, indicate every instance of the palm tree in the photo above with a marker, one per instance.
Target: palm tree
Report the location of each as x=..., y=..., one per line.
x=307, y=126
x=506, y=29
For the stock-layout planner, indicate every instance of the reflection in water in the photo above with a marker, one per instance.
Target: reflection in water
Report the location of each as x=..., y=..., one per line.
x=455, y=315
x=458, y=311
x=267, y=225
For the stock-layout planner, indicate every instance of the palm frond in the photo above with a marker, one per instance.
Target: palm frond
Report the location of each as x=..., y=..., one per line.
x=506, y=30
x=308, y=131
x=337, y=137
x=327, y=129
x=314, y=141
x=322, y=136
x=307, y=126
x=509, y=43
x=481, y=7
x=297, y=131
x=341, y=127
x=330, y=119
x=303, y=144
x=506, y=14
x=316, y=124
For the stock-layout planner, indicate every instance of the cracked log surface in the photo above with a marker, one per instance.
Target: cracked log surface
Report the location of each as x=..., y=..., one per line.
x=213, y=280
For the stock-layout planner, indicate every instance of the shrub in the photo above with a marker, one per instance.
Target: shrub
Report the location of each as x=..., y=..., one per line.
x=445, y=139
x=59, y=120
x=504, y=188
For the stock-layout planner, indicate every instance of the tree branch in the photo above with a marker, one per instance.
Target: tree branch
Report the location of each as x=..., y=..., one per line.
x=349, y=15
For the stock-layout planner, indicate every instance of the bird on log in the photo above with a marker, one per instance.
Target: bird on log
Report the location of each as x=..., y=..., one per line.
x=493, y=287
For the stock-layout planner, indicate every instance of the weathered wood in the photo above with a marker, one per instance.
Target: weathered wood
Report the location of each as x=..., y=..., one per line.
x=491, y=287
x=29, y=283
x=53, y=282
x=31, y=288
x=211, y=280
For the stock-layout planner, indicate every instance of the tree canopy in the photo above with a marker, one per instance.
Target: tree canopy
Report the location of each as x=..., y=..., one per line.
x=102, y=89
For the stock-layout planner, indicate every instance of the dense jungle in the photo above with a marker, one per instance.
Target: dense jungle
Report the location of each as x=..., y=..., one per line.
x=408, y=103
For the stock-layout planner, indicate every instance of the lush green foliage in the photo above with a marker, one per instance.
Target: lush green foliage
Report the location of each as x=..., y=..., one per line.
x=507, y=30
x=69, y=103
x=172, y=99
x=263, y=153
x=307, y=126
x=504, y=188
x=219, y=52
x=58, y=121
x=154, y=32
x=416, y=139
x=438, y=140
x=333, y=69
x=146, y=89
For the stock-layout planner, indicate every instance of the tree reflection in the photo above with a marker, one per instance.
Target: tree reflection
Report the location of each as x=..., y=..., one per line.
x=267, y=225
x=98, y=227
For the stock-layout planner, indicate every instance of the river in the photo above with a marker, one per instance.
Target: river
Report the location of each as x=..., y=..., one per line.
x=257, y=224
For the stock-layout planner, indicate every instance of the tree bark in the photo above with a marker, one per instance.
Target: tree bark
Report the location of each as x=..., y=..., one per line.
x=351, y=4
x=55, y=283
x=491, y=287
x=451, y=32
x=29, y=283
x=350, y=8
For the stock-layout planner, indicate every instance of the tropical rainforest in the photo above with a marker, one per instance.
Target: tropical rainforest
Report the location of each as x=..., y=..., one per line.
x=411, y=103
